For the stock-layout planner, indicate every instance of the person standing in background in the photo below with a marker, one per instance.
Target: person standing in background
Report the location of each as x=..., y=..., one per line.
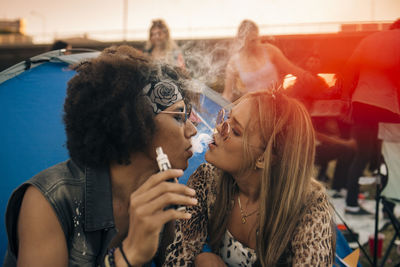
x=256, y=66
x=161, y=47
x=371, y=84
x=59, y=44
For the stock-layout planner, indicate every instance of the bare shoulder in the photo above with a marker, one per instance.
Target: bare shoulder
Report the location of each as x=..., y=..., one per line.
x=272, y=49
x=35, y=205
x=40, y=234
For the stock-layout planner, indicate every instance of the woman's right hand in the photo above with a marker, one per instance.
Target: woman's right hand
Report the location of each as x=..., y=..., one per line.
x=209, y=259
x=147, y=215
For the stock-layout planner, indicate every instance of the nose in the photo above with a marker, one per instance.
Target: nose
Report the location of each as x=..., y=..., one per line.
x=223, y=129
x=190, y=129
x=218, y=127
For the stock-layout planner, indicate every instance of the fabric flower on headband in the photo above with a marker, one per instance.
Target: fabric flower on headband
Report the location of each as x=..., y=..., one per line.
x=162, y=94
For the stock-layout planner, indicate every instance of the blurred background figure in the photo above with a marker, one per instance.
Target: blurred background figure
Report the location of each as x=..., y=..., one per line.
x=333, y=142
x=313, y=89
x=59, y=44
x=161, y=47
x=371, y=84
x=255, y=66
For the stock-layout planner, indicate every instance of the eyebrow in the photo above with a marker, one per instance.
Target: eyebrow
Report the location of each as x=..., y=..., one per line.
x=179, y=109
x=235, y=120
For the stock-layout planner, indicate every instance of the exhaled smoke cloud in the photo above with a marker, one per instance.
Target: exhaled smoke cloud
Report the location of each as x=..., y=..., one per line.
x=200, y=142
x=206, y=63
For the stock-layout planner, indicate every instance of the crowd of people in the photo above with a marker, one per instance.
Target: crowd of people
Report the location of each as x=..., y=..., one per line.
x=254, y=203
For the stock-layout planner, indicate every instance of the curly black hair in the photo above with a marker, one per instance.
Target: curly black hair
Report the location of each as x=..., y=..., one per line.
x=106, y=116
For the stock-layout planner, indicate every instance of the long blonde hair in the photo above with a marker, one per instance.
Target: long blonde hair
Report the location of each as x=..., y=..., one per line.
x=288, y=164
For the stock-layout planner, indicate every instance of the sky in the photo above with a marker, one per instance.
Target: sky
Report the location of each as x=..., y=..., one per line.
x=104, y=19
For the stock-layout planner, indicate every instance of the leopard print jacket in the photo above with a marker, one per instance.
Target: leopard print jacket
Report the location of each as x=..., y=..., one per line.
x=311, y=245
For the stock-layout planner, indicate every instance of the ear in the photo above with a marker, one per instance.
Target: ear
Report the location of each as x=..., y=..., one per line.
x=260, y=162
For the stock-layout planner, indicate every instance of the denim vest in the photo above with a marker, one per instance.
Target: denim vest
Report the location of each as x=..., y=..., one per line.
x=82, y=201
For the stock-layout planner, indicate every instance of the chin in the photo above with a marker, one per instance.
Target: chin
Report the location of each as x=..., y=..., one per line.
x=184, y=164
x=210, y=159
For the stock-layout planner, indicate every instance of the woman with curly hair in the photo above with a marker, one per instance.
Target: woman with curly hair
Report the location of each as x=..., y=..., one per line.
x=161, y=47
x=108, y=203
x=258, y=205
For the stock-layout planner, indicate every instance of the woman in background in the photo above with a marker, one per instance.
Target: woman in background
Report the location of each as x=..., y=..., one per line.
x=258, y=204
x=256, y=66
x=161, y=47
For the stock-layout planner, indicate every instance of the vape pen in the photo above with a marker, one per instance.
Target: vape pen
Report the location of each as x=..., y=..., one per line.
x=163, y=165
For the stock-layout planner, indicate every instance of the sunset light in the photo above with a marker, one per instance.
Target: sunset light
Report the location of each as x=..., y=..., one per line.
x=112, y=20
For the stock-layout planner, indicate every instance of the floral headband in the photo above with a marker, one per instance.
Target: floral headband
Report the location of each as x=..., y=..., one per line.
x=162, y=94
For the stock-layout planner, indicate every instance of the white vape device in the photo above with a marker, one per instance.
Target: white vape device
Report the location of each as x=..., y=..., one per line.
x=163, y=165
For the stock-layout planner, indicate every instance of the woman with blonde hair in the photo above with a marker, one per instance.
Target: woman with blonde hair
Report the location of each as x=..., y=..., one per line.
x=161, y=47
x=256, y=65
x=258, y=203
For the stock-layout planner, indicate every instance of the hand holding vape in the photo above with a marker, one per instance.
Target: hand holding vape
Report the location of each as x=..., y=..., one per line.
x=163, y=165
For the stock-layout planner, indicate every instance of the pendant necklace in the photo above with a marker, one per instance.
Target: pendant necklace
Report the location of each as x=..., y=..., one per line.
x=242, y=213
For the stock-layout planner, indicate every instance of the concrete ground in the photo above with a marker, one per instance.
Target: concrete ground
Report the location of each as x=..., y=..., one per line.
x=364, y=225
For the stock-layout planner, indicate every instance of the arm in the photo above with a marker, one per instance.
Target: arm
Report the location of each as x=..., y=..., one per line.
x=351, y=143
x=350, y=73
x=190, y=235
x=230, y=78
x=41, y=240
x=313, y=241
x=283, y=63
x=147, y=216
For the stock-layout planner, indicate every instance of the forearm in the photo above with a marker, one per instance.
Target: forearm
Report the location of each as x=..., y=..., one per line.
x=130, y=257
x=227, y=93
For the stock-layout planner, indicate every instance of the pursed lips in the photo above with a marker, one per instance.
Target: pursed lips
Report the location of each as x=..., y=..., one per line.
x=214, y=142
x=189, y=151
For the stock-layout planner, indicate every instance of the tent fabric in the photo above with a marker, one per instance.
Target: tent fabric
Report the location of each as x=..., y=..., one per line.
x=52, y=56
x=33, y=138
x=342, y=250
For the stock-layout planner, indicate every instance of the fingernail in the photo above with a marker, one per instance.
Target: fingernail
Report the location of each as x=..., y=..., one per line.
x=193, y=201
x=191, y=191
x=187, y=215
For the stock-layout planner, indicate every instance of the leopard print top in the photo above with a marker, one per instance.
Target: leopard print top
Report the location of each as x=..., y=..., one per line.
x=311, y=245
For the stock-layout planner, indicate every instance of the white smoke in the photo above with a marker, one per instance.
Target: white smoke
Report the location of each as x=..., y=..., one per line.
x=200, y=142
x=206, y=61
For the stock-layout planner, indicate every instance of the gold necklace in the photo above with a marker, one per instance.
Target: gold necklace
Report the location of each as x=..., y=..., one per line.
x=242, y=213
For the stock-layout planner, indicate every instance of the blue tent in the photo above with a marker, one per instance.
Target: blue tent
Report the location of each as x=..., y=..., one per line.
x=31, y=99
